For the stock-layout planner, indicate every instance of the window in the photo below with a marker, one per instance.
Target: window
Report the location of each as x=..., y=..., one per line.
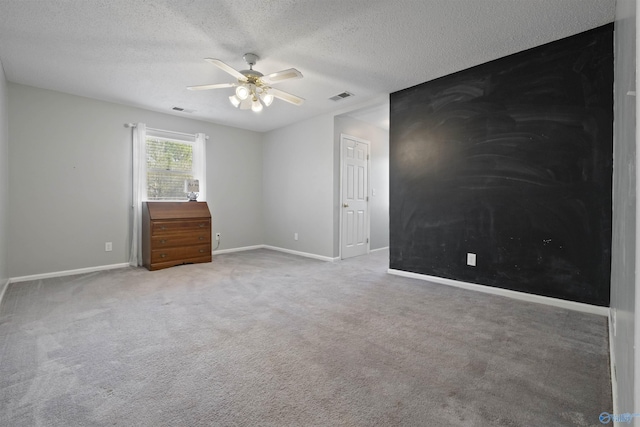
x=169, y=162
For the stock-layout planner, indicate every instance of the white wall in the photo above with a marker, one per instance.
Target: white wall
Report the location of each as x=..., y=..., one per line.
x=379, y=175
x=298, y=187
x=70, y=180
x=234, y=192
x=301, y=184
x=625, y=190
x=4, y=181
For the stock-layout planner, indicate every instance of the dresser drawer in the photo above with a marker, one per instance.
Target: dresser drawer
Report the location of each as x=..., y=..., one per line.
x=180, y=239
x=180, y=253
x=169, y=227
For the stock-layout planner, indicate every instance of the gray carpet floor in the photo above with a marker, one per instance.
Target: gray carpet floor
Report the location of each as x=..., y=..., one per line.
x=263, y=338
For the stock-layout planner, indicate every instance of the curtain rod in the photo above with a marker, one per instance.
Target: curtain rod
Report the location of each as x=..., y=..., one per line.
x=133, y=125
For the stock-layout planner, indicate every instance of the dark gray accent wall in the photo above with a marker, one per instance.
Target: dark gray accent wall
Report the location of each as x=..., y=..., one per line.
x=512, y=161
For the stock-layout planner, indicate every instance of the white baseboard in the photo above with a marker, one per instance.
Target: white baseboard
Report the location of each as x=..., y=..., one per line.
x=303, y=254
x=242, y=249
x=379, y=249
x=67, y=272
x=275, y=248
x=556, y=302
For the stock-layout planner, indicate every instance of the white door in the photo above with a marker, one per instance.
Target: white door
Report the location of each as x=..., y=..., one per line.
x=355, y=196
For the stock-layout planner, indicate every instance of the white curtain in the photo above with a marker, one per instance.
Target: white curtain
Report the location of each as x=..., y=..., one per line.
x=139, y=192
x=199, y=166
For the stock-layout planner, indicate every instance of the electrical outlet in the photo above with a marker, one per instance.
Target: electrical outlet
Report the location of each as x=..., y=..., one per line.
x=108, y=246
x=471, y=259
x=295, y=236
x=614, y=322
x=218, y=236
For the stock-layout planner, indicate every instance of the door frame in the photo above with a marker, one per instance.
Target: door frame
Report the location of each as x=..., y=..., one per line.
x=344, y=136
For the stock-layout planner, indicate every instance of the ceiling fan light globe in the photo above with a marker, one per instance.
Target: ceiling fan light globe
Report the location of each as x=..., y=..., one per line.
x=267, y=99
x=242, y=92
x=234, y=101
x=256, y=106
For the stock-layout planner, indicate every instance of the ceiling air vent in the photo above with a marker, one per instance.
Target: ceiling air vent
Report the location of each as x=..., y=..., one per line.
x=340, y=96
x=183, y=110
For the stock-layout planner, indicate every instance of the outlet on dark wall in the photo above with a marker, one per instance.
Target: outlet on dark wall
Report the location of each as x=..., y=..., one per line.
x=510, y=160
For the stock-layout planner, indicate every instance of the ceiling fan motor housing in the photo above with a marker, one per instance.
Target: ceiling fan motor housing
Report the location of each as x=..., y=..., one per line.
x=251, y=75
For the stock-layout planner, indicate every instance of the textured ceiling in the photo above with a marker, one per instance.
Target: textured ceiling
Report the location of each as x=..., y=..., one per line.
x=144, y=53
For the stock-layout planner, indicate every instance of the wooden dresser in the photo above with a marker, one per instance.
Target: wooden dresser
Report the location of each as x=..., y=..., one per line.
x=175, y=233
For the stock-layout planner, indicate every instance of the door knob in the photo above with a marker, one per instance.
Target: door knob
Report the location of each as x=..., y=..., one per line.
x=345, y=205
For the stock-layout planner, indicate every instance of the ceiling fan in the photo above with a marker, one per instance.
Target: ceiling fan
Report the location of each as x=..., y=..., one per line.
x=252, y=87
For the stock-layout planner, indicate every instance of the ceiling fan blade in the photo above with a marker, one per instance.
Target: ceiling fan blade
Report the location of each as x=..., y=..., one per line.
x=215, y=86
x=285, y=96
x=227, y=68
x=279, y=76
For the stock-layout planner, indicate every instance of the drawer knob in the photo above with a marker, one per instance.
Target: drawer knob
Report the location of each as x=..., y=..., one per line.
x=201, y=250
x=201, y=238
x=163, y=255
x=201, y=225
x=163, y=241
